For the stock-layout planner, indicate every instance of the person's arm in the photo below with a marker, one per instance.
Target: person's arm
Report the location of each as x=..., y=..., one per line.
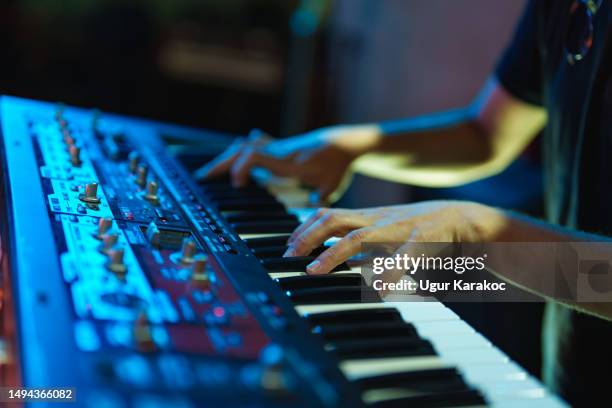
x=530, y=268
x=438, y=150
x=455, y=221
x=455, y=147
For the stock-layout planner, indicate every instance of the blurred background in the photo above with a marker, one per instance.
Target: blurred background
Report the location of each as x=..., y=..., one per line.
x=284, y=66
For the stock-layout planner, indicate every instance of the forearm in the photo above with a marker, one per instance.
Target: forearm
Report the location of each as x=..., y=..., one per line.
x=429, y=135
x=438, y=150
x=532, y=261
x=451, y=148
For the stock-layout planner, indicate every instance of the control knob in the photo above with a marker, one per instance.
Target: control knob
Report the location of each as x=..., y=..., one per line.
x=151, y=195
x=108, y=242
x=143, y=336
x=153, y=235
x=199, y=275
x=66, y=134
x=91, y=194
x=104, y=224
x=133, y=161
x=75, y=155
x=115, y=262
x=141, y=175
x=188, y=250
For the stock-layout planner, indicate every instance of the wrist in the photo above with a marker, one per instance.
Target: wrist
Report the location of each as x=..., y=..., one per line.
x=485, y=223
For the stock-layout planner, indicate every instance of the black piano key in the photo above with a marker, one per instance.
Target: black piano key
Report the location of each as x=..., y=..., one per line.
x=221, y=187
x=243, y=216
x=279, y=250
x=275, y=240
x=294, y=264
x=466, y=398
x=225, y=180
x=320, y=281
x=218, y=195
x=250, y=200
x=387, y=314
x=265, y=227
x=256, y=204
x=276, y=251
x=318, y=251
x=221, y=179
x=381, y=348
x=333, y=294
x=367, y=331
x=420, y=381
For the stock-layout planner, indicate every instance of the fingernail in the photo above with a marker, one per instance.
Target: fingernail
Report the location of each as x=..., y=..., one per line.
x=289, y=252
x=313, y=267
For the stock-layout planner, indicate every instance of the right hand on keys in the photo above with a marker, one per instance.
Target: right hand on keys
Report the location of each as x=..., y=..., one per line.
x=320, y=159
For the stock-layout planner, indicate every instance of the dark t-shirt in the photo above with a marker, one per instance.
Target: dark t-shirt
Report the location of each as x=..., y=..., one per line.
x=577, y=150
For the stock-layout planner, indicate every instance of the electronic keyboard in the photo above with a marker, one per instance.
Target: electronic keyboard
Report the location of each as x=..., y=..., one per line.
x=132, y=285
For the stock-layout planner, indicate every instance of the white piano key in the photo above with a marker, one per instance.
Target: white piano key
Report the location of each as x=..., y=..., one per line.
x=449, y=334
x=501, y=383
x=258, y=235
x=548, y=401
x=359, y=368
x=443, y=327
x=517, y=391
x=430, y=311
x=472, y=356
x=498, y=381
x=275, y=275
x=287, y=190
x=527, y=388
x=421, y=310
x=493, y=373
x=385, y=394
x=305, y=310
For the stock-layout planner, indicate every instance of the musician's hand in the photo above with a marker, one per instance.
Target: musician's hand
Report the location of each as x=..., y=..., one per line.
x=320, y=159
x=428, y=221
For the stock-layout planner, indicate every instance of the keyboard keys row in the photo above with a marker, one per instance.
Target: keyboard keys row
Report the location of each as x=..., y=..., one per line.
x=279, y=251
x=295, y=263
x=267, y=241
x=268, y=226
x=397, y=354
x=247, y=216
x=379, y=333
x=251, y=209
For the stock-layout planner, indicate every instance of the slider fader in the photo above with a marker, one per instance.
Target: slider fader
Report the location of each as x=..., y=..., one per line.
x=122, y=281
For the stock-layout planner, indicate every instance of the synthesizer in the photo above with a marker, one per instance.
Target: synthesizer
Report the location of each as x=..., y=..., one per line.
x=128, y=282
